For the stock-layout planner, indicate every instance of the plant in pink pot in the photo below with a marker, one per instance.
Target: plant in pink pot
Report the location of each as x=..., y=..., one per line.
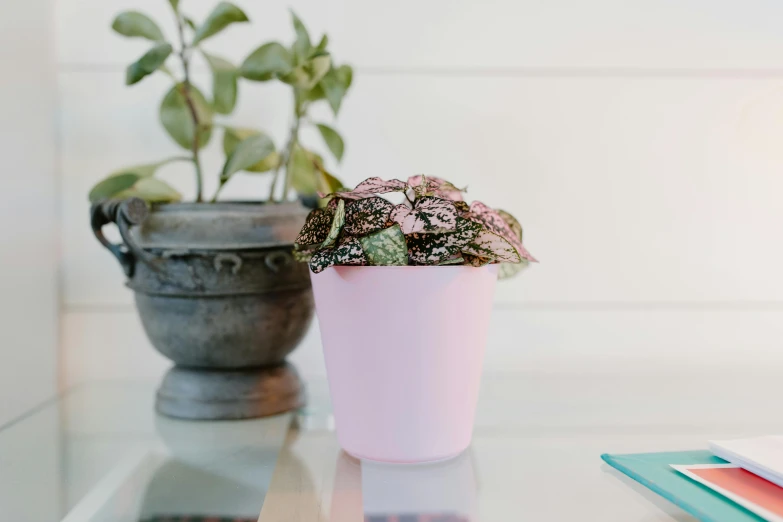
x=403, y=294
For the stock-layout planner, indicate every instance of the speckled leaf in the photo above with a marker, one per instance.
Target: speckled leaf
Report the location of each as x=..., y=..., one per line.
x=386, y=247
x=462, y=208
x=430, y=214
x=425, y=185
x=433, y=249
x=337, y=225
x=303, y=255
x=322, y=260
x=508, y=270
x=492, y=246
x=494, y=222
x=479, y=261
x=512, y=222
x=373, y=186
x=367, y=215
x=349, y=252
x=316, y=228
x=454, y=260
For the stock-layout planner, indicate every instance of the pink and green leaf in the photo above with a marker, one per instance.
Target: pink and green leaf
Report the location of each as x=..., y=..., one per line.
x=368, y=215
x=371, y=187
x=512, y=223
x=433, y=249
x=316, y=227
x=492, y=246
x=494, y=222
x=386, y=247
x=431, y=186
x=322, y=260
x=431, y=214
x=349, y=252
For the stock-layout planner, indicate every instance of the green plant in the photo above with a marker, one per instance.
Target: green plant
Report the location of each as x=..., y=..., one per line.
x=190, y=118
x=432, y=227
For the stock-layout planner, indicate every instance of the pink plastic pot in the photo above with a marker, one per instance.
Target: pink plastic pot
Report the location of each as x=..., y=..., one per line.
x=404, y=348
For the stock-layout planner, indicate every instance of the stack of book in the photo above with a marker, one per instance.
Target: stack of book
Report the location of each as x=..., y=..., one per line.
x=736, y=480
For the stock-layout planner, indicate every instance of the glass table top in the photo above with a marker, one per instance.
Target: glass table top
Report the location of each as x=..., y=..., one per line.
x=99, y=453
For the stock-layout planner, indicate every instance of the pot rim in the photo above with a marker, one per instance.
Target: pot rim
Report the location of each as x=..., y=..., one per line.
x=491, y=266
x=233, y=205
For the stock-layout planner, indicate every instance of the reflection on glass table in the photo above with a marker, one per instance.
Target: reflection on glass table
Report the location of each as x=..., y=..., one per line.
x=100, y=454
x=438, y=492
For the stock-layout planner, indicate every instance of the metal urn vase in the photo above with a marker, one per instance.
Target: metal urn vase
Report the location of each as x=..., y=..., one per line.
x=219, y=294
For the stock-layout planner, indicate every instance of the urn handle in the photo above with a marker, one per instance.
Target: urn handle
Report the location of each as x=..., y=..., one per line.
x=124, y=213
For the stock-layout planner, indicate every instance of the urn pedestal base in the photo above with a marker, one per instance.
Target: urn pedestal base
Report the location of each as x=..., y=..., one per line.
x=201, y=394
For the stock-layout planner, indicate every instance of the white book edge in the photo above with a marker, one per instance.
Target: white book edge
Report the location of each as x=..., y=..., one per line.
x=754, y=467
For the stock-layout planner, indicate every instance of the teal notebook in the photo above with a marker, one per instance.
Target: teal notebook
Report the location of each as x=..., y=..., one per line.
x=653, y=471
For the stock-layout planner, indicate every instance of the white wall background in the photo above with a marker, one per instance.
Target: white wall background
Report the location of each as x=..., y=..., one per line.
x=639, y=143
x=28, y=212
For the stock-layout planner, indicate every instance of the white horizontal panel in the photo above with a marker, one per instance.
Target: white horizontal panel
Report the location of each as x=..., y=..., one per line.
x=447, y=34
x=106, y=346
x=630, y=190
x=501, y=34
x=84, y=34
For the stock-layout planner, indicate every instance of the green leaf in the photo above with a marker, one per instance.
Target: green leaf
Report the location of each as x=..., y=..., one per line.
x=321, y=47
x=224, y=83
x=174, y=5
x=147, y=170
x=337, y=225
x=113, y=185
x=247, y=153
x=175, y=115
x=135, y=24
x=335, y=85
x=221, y=17
x=328, y=182
x=147, y=64
x=307, y=75
x=333, y=140
x=386, y=247
x=190, y=23
x=302, y=45
x=302, y=172
x=123, y=179
x=344, y=75
x=233, y=136
x=151, y=190
x=266, y=62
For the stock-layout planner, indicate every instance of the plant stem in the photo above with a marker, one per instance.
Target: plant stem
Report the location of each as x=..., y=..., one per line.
x=285, y=159
x=217, y=191
x=183, y=54
x=293, y=141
